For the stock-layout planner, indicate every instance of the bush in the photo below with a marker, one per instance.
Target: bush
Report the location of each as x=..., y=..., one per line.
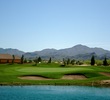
x=99, y=63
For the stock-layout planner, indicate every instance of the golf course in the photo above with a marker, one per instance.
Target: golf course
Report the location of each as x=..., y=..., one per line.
x=54, y=74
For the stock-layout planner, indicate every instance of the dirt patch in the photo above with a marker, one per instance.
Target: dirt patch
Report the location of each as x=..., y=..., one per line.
x=74, y=77
x=106, y=82
x=105, y=73
x=34, y=78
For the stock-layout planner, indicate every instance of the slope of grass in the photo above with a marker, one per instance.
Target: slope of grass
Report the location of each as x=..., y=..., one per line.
x=9, y=74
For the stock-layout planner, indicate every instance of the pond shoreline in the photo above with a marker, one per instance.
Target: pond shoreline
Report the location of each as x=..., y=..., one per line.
x=91, y=84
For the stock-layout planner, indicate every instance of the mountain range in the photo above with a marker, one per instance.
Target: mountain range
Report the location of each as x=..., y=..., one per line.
x=81, y=52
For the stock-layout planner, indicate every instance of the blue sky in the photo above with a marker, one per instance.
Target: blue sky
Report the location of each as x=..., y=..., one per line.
x=32, y=25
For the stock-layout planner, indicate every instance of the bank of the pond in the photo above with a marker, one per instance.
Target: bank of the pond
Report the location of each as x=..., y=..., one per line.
x=103, y=83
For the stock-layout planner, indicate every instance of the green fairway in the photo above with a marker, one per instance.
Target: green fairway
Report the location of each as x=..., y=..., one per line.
x=9, y=74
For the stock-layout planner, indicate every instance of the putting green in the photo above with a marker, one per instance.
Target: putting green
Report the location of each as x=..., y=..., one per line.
x=37, y=69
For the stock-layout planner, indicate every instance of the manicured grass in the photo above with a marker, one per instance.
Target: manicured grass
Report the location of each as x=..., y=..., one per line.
x=9, y=74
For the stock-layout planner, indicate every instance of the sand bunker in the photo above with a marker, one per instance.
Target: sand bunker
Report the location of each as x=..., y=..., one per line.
x=68, y=77
x=74, y=77
x=34, y=78
x=105, y=73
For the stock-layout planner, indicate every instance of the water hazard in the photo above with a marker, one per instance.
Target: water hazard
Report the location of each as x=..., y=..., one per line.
x=53, y=93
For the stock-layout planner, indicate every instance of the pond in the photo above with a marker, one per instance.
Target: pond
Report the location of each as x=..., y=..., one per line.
x=53, y=93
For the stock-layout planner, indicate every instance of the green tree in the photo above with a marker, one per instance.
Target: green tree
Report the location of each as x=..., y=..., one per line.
x=22, y=59
x=36, y=61
x=79, y=62
x=25, y=60
x=39, y=59
x=105, y=63
x=13, y=60
x=64, y=62
x=93, y=60
x=73, y=62
x=99, y=62
x=30, y=61
x=68, y=61
x=50, y=60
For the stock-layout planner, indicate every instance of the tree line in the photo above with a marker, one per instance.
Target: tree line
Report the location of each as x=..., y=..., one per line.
x=105, y=63
x=65, y=61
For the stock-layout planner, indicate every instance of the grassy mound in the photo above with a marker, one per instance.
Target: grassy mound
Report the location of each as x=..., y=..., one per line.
x=9, y=74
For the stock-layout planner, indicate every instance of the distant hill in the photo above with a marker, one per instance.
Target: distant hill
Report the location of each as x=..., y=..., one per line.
x=11, y=51
x=76, y=52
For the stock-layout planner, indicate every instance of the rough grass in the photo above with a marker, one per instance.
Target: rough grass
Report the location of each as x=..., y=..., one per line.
x=9, y=74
